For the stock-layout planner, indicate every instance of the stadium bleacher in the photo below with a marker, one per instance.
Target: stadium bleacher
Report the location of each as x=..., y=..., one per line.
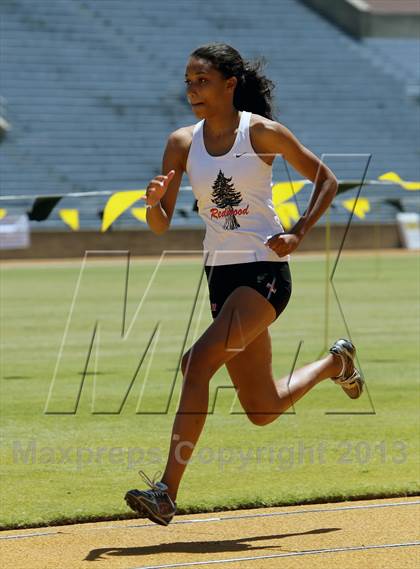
x=92, y=95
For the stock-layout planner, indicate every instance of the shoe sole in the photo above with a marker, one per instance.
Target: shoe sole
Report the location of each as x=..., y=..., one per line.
x=351, y=353
x=133, y=504
x=138, y=506
x=359, y=382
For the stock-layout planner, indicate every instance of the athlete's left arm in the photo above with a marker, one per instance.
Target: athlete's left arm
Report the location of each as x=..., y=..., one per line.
x=281, y=140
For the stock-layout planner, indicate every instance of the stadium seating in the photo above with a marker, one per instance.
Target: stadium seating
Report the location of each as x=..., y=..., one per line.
x=94, y=88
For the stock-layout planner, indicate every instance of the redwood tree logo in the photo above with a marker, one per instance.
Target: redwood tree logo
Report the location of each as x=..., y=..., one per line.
x=225, y=197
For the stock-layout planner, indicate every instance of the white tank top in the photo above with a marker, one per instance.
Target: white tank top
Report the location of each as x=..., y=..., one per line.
x=234, y=198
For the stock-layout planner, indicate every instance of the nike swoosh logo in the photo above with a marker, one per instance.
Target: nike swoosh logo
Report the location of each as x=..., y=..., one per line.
x=239, y=155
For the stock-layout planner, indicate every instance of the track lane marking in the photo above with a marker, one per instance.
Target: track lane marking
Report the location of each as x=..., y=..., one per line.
x=278, y=555
x=221, y=519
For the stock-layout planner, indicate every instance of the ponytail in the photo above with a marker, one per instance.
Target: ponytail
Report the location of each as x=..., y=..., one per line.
x=253, y=91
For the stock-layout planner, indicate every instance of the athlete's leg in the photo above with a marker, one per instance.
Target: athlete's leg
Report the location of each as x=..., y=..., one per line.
x=244, y=316
x=263, y=398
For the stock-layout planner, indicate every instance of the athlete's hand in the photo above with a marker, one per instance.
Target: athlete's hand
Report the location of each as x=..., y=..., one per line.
x=156, y=189
x=283, y=243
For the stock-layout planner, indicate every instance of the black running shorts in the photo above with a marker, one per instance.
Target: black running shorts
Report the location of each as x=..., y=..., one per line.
x=272, y=279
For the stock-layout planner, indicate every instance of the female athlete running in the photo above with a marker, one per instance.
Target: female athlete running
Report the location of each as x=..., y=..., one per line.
x=228, y=156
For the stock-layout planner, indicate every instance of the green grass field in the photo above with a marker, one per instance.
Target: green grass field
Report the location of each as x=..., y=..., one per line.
x=68, y=458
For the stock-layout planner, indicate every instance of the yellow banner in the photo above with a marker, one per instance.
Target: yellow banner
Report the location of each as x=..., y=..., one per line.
x=3, y=213
x=117, y=204
x=288, y=214
x=360, y=209
x=394, y=177
x=139, y=213
x=282, y=191
x=70, y=218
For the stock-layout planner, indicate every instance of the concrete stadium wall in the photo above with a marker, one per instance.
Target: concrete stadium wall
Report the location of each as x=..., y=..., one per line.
x=359, y=19
x=66, y=244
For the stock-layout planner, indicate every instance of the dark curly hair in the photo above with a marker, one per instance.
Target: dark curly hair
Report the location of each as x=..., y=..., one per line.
x=253, y=91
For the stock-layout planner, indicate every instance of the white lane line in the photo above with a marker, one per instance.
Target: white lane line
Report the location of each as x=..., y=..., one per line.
x=38, y=534
x=310, y=511
x=224, y=518
x=271, y=514
x=278, y=555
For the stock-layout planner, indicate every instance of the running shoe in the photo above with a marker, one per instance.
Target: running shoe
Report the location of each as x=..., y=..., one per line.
x=349, y=379
x=154, y=504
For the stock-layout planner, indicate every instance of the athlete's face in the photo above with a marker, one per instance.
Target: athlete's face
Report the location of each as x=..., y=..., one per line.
x=207, y=89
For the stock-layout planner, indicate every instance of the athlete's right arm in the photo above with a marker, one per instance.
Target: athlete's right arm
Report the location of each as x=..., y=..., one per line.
x=166, y=187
